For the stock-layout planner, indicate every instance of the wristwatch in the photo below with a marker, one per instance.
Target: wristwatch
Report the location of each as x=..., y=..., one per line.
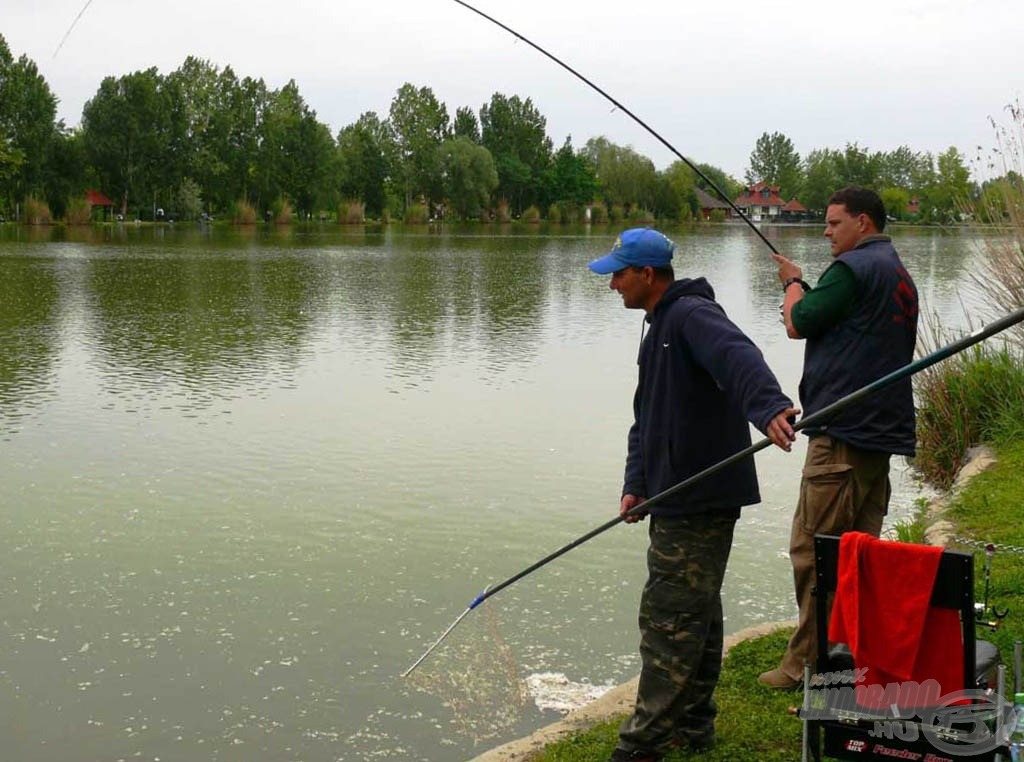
x=790, y=281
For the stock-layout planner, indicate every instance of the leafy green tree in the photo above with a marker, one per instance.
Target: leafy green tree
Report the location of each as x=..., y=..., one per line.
x=420, y=125
x=466, y=124
x=775, y=161
x=895, y=201
x=188, y=201
x=11, y=159
x=675, y=196
x=126, y=129
x=729, y=185
x=821, y=178
x=904, y=168
x=570, y=177
x=67, y=172
x=297, y=154
x=515, y=133
x=247, y=101
x=204, y=96
x=952, y=190
x=469, y=175
x=366, y=151
x=624, y=177
x=855, y=166
x=27, y=122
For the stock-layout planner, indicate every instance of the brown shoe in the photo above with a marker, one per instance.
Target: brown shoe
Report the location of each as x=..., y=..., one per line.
x=778, y=680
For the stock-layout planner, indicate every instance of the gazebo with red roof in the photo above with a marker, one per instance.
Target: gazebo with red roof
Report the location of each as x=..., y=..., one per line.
x=96, y=198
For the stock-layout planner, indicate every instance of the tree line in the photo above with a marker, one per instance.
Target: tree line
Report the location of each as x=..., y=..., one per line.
x=202, y=141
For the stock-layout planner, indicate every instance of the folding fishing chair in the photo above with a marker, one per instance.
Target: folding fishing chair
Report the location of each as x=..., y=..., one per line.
x=852, y=730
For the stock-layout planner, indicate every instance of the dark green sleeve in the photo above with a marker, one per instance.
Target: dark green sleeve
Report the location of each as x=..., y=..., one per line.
x=828, y=303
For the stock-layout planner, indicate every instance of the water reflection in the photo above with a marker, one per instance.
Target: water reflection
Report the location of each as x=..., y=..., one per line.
x=29, y=337
x=209, y=327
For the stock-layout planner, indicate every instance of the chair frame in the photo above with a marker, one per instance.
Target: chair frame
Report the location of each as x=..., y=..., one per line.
x=856, y=734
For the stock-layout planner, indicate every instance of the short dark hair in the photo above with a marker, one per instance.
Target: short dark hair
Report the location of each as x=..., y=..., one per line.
x=859, y=200
x=664, y=271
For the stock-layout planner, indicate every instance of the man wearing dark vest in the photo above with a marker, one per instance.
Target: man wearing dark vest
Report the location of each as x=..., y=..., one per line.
x=860, y=323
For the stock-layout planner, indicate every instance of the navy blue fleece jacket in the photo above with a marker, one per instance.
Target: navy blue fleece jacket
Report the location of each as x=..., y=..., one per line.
x=701, y=380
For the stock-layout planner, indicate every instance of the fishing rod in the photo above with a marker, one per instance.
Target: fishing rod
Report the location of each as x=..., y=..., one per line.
x=628, y=113
x=815, y=418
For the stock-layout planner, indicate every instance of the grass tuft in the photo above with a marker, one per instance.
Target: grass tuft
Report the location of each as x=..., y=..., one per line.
x=754, y=723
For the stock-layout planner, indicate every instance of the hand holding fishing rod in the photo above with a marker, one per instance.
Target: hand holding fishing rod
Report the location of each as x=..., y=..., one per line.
x=817, y=418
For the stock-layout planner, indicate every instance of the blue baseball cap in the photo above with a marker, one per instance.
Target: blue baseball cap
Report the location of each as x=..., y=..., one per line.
x=638, y=247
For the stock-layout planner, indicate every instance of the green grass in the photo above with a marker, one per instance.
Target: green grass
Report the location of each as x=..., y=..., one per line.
x=977, y=396
x=753, y=722
x=991, y=509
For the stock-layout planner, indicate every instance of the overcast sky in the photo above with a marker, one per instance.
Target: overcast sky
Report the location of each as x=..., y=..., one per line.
x=710, y=77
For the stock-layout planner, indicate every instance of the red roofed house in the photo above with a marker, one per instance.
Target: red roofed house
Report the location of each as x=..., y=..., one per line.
x=794, y=211
x=760, y=202
x=95, y=198
x=709, y=203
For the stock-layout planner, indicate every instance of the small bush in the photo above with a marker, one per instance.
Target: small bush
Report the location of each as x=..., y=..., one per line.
x=642, y=217
x=417, y=214
x=37, y=212
x=976, y=396
x=554, y=214
x=504, y=212
x=351, y=212
x=598, y=214
x=570, y=212
x=243, y=213
x=79, y=212
x=616, y=214
x=531, y=215
x=282, y=211
x=717, y=215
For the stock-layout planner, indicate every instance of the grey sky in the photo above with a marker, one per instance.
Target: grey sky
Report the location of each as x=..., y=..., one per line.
x=709, y=76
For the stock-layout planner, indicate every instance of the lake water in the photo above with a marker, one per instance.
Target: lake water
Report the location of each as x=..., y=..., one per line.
x=249, y=476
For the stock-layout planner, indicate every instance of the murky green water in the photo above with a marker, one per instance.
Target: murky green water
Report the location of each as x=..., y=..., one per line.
x=248, y=477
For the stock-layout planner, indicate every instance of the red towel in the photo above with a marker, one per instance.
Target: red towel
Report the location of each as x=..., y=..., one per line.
x=881, y=610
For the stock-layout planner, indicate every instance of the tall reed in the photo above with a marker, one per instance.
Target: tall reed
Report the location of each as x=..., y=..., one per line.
x=37, y=211
x=243, y=213
x=978, y=395
x=282, y=211
x=417, y=214
x=79, y=211
x=351, y=212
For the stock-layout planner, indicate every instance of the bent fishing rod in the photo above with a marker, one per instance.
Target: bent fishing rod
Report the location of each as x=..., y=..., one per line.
x=628, y=113
x=819, y=417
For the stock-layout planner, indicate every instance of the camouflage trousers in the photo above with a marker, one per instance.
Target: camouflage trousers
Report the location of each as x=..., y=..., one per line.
x=680, y=632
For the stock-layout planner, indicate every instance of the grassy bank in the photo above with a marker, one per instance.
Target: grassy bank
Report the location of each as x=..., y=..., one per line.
x=755, y=723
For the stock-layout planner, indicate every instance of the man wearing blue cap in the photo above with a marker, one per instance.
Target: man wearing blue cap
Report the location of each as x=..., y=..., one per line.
x=701, y=380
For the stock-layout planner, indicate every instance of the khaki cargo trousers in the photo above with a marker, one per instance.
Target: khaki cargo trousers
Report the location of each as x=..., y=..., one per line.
x=843, y=488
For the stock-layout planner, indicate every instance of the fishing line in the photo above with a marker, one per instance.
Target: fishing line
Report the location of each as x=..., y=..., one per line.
x=73, y=23
x=629, y=113
x=815, y=418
